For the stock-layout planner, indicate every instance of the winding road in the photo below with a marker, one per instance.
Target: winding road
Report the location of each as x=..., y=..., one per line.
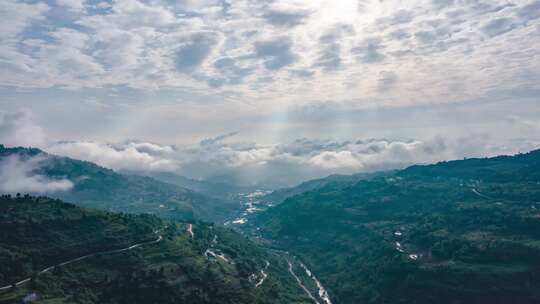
x=84, y=257
x=480, y=194
x=190, y=231
x=263, y=274
x=209, y=252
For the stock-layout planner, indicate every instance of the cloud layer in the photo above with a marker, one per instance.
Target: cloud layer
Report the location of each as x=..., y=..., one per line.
x=19, y=176
x=277, y=165
x=165, y=70
x=19, y=129
x=228, y=158
x=275, y=53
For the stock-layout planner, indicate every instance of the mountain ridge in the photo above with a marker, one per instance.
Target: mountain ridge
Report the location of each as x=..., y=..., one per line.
x=454, y=232
x=99, y=187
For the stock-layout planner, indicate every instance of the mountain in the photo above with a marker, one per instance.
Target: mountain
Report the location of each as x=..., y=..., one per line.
x=76, y=255
x=209, y=188
x=102, y=188
x=280, y=195
x=464, y=231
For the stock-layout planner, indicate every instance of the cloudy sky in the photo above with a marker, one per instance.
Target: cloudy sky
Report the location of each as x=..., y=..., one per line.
x=174, y=73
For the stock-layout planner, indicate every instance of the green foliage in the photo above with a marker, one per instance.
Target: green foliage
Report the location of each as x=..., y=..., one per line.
x=337, y=180
x=98, y=187
x=209, y=188
x=472, y=228
x=38, y=232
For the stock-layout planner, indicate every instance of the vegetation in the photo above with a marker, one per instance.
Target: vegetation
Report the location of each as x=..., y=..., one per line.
x=455, y=232
x=98, y=187
x=38, y=232
x=209, y=188
x=338, y=180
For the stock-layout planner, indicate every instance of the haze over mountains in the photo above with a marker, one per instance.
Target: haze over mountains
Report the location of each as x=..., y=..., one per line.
x=453, y=232
x=33, y=171
x=270, y=152
x=226, y=160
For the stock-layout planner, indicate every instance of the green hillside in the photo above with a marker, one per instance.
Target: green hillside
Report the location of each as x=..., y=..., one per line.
x=280, y=195
x=98, y=187
x=213, y=189
x=455, y=232
x=214, y=265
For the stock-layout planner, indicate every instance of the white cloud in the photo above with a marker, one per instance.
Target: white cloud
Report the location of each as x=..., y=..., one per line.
x=238, y=161
x=19, y=129
x=279, y=164
x=74, y=5
x=16, y=16
x=387, y=80
x=170, y=70
x=129, y=156
x=18, y=175
x=336, y=160
x=274, y=54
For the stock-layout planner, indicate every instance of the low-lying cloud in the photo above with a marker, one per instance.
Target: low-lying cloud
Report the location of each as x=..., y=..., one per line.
x=19, y=129
x=278, y=165
x=225, y=159
x=132, y=155
x=19, y=175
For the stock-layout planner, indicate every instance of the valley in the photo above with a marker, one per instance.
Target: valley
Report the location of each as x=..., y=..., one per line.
x=401, y=231
x=448, y=232
x=252, y=204
x=269, y=152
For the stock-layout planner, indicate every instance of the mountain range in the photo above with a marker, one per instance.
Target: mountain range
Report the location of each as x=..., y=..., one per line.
x=98, y=187
x=278, y=196
x=221, y=190
x=464, y=231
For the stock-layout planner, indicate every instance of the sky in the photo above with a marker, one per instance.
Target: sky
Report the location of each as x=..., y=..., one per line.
x=215, y=85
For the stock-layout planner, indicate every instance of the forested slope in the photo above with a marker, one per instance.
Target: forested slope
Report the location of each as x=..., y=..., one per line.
x=98, y=187
x=455, y=232
x=131, y=259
